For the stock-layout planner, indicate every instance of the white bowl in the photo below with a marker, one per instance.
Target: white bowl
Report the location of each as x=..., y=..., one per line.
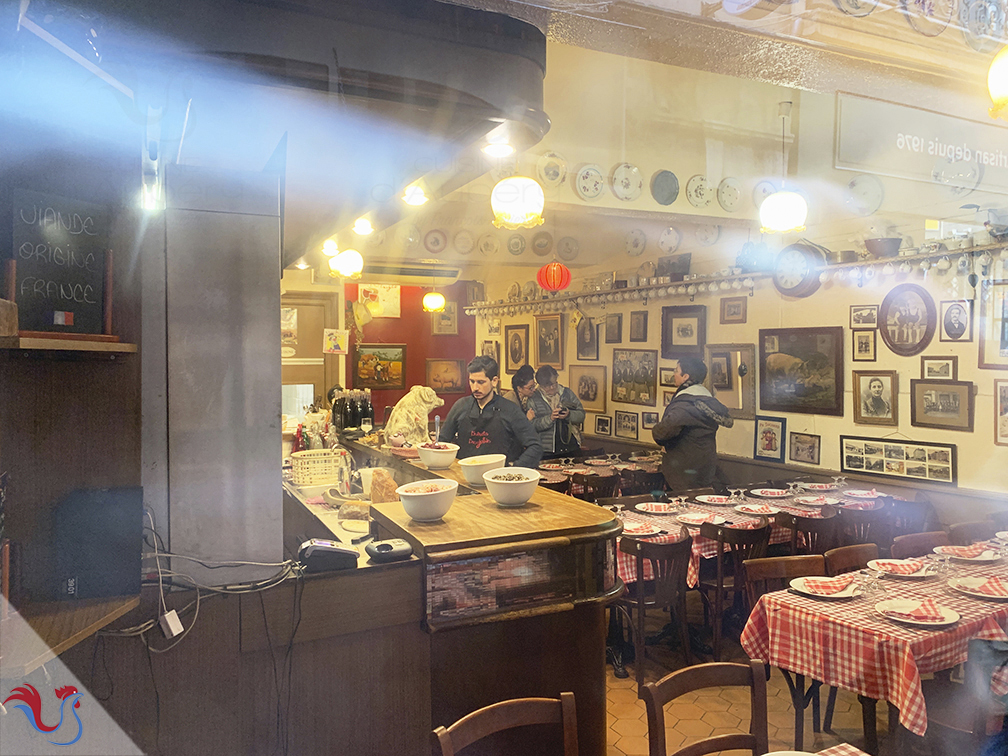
x=512, y=493
x=474, y=467
x=438, y=459
x=428, y=505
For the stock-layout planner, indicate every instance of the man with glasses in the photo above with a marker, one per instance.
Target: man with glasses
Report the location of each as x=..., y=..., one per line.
x=558, y=415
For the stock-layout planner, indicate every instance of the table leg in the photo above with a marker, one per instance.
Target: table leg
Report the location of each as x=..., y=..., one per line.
x=798, y=699
x=868, y=721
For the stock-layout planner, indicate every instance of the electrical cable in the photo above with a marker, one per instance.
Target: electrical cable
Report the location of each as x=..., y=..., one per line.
x=157, y=701
x=164, y=607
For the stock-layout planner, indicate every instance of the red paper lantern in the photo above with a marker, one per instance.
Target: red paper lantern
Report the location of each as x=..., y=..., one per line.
x=554, y=276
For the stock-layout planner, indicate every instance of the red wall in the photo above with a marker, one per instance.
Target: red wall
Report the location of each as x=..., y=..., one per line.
x=413, y=328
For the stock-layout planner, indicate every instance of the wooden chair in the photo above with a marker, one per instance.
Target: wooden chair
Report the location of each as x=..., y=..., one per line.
x=850, y=558
x=670, y=687
x=741, y=544
x=865, y=525
x=560, y=486
x=910, y=516
x=999, y=518
x=590, y=487
x=634, y=482
x=918, y=544
x=774, y=574
x=820, y=534
x=625, y=501
x=967, y=533
x=669, y=562
x=692, y=493
x=516, y=712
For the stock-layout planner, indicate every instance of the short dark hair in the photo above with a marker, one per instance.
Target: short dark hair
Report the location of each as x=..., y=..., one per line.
x=874, y=379
x=483, y=364
x=524, y=375
x=546, y=375
x=693, y=367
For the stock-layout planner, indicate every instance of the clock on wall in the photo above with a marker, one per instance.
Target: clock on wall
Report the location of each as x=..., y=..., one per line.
x=796, y=272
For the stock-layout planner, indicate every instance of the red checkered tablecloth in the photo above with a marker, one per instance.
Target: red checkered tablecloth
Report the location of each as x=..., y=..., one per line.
x=844, y=749
x=846, y=644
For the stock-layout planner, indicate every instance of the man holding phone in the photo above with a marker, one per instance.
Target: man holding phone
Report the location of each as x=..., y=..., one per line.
x=558, y=415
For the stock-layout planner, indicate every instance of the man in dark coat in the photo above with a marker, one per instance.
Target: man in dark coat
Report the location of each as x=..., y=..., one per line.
x=688, y=429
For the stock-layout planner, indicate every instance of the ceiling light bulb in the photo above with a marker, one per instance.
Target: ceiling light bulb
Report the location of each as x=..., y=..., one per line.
x=414, y=196
x=362, y=226
x=302, y=265
x=329, y=248
x=348, y=263
x=433, y=301
x=783, y=212
x=517, y=202
x=501, y=150
x=997, y=83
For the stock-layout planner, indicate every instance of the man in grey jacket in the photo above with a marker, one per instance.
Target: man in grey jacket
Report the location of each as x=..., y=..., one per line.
x=688, y=429
x=558, y=415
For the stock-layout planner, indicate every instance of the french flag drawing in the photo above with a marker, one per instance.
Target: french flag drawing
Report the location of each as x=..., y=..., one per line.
x=63, y=318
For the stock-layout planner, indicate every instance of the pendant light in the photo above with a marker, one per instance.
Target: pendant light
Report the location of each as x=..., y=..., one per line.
x=348, y=264
x=783, y=212
x=554, y=276
x=997, y=84
x=517, y=202
x=433, y=301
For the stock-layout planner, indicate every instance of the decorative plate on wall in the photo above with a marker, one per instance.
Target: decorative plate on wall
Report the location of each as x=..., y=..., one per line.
x=708, y=233
x=856, y=8
x=636, y=240
x=516, y=244
x=669, y=240
x=761, y=191
x=514, y=292
x=699, y=191
x=627, y=182
x=982, y=23
x=542, y=243
x=488, y=245
x=435, y=241
x=551, y=169
x=928, y=17
x=567, y=248
x=464, y=242
x=589, y=182
x=729, y=194
x=865, y=194
x=664, y=187
x=530, y=290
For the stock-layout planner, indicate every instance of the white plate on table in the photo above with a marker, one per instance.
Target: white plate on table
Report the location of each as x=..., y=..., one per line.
x=860, y=493
x=816, y=501
x=551, y=466
x=885, y=608
x=818, y=486
x=769, y=493
x=990, y=555
x=696, y=519
x=712, y=499
x=798, y=584
x=968, y=585
x=1002, y=535
x=639, y=529
x=750, y=509
x=656, y=507
x=598, y=462
x=926, y=571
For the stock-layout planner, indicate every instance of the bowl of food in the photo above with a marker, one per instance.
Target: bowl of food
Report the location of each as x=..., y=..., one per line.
x=886, y=247
x=427, y=500
x=437, y=455
x=474, y=467
x=511, y=486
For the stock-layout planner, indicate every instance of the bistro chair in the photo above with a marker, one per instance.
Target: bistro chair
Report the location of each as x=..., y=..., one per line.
x=516, y=712
x=850, y=558
x=741, y=544
x=865, y=526
x=918, y=544
x=590, y=487
x=561, y=486
x=713, y=675
x=819, y=534
x=669, y=562
x=910, y=516
x=999, y=518
x=967, y=533
x=633, y=482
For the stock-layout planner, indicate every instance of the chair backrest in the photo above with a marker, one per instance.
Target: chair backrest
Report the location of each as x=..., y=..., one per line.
x=516, y=712
x=999, y=518
x=918, y=544
x=692, y=493
x=774, y=573
x=850, y=558
x=561, y=486
x=909, y=516
x=966, y=533
x=982, y=659
x=820, y=534
x=593, y=487
x=866, y=526
x=744, y=543
x=669, y=562
x=634, y=482
x=699, y=676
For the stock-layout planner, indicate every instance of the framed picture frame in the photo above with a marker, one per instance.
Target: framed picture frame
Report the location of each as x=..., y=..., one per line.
x=588, y=382
x=956, y=318
x=994, y=325
x=648, y=420
x=907, y=319
x=876, y=397
x=864, y=346
x=626, y=424
x=734, y=310
x=1001, y=412
x=667, y=397
x=635, y=376
x=897, y=458
x=638, y=325
x=447, y=376
x=614, y=328
x=445, y=323
x=379, y=366
x=863, y=317
x=768, y=439
x=493, y=326
x=804, y=448
x=603, y=425
x=491, y=348
x=946, y=405
x=516, y=354
x=736, y=390
x=549, y=340
x=801, y=370
x=719, y=368
x=944, y=368
x=587, y=339
x=684, y=331
x=666, y=376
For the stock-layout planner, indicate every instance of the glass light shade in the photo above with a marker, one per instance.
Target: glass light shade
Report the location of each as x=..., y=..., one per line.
x=362, y=227
x=414, y=196
x=501, y=150
x=433, y=301
x=783, y=212
x=517, y=202
x=329, y=248
x=348, y=263
x=997, y=83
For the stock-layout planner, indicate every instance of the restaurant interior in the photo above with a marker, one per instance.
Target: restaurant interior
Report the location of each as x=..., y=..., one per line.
x=809, y=197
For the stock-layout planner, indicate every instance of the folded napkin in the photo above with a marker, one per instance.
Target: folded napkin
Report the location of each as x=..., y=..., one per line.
x=816, y=500
x=757, y=509
x=899, y=566
x=866, y=504
x=827, y=586
x=314, y=500
x=993, y=587
x=966, y=552
x=928, y=611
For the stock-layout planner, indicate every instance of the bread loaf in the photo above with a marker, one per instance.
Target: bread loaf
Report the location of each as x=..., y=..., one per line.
x=383, y=487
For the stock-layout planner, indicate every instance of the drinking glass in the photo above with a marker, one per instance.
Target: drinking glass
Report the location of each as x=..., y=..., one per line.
x=366, y=425
x=613, y=458
x=735, y=495
x=680, y=502
x=792, y=488
x=836, y=480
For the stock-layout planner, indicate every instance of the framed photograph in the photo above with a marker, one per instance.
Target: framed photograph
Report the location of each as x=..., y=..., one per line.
x=801, y=370
x=516, y=338
x=638, y=325
x=379, y=366
x=940, y=368
x=720, y=370
x=994, y=325
x=907, y=319
x=635, y=376
x=614, y=328
x=956, y=317
x=876, y=397
x=667, y=396
x=549, y=340
x=683, y=331
x=588, y=382
x=768, y=443
x=626, y=424
x=475, y=292
x=804, y=448
x=493, y=326
x=603, y=425
x=587, y=340
x=491, y=348
x=445, y=323
x=863, y=317
x=863, y=346
x=666, y=376
x=447, y=376
x=896, y=458
x=947, y=405
x=1001, y=413
x=733, y=310
x=648, y=420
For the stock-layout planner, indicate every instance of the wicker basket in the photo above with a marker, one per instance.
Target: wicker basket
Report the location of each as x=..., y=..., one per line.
x=314, y=467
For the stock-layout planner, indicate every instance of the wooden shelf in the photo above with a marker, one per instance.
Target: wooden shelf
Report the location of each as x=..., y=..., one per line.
x=66, y=345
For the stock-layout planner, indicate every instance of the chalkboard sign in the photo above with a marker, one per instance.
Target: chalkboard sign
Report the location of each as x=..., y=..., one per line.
x=59, y=252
